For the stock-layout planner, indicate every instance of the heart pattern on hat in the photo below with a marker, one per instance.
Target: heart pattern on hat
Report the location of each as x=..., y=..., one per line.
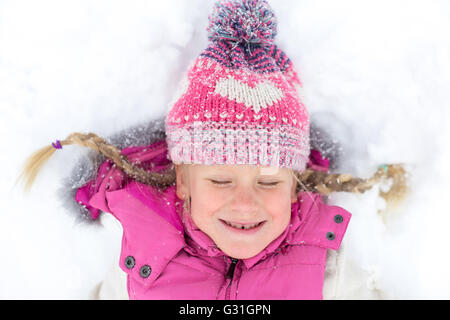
x=263, y=94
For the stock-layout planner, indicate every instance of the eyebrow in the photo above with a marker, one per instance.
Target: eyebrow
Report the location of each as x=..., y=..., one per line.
x=229, y=175
x=230, y=172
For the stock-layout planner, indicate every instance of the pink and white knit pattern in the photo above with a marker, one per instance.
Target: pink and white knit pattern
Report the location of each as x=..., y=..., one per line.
x=227, y=116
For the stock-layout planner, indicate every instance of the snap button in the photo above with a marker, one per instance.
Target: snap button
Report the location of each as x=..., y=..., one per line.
x=130, y=262
x=145, y=271
x=330, y=235
x=338, y=218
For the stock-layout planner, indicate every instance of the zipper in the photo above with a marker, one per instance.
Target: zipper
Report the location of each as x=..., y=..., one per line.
x=230, y=275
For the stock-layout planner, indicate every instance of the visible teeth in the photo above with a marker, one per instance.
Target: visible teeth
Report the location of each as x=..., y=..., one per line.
x=240, y=226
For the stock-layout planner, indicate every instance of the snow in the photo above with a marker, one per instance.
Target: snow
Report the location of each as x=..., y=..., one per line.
x=376, y=75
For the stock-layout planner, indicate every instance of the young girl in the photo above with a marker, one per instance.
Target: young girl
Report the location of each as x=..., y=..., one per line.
x=228, y=204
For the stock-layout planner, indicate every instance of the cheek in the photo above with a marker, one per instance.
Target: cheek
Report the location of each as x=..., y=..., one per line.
x=205, y=202
x=278, y=206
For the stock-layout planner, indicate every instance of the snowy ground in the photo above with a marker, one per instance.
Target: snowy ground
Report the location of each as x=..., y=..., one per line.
x=376, y=74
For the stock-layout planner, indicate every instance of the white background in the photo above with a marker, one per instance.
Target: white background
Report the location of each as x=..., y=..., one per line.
x=376, y=76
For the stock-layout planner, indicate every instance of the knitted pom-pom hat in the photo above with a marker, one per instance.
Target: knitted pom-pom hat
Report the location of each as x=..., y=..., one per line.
x=239, y=103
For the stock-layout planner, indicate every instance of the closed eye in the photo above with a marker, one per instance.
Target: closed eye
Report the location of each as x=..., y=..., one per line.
x=269, y=183
x=219, y=182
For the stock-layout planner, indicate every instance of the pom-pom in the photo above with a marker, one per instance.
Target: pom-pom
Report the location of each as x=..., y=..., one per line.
x=242, y=22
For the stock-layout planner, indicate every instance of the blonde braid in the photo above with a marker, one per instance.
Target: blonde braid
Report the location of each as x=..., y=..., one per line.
x=37, y=160
x=326, y=183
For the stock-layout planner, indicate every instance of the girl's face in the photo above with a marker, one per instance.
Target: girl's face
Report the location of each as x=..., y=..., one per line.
x=242, y=208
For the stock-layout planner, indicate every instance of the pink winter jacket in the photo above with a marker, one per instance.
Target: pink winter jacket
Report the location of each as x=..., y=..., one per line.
x=165, y=259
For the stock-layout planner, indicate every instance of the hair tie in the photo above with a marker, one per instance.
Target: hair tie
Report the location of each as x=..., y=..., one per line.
x=57, y=145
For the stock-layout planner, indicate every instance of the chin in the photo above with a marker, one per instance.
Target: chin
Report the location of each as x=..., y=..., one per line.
x=242, y=253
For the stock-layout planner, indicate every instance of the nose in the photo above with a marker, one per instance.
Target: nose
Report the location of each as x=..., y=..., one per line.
x=245, y=200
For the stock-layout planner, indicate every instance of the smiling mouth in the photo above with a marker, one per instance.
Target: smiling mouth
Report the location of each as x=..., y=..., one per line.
x=247, y=226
